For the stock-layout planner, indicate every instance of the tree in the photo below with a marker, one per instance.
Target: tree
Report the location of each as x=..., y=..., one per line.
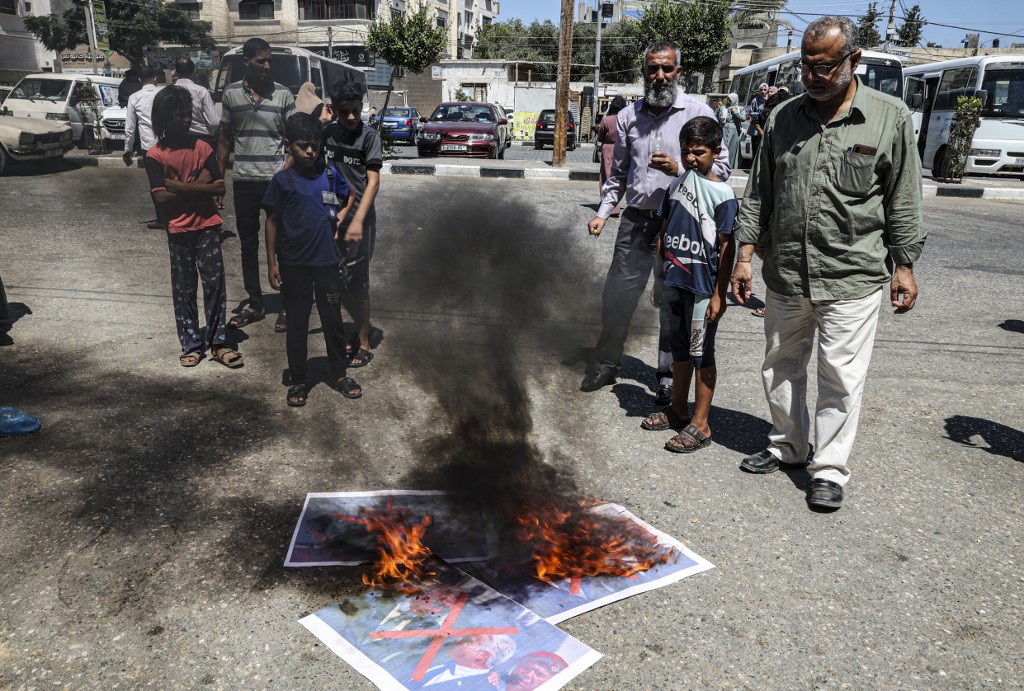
x=867, y=27
x=909, y=33
x=133, y=25
x=412, y=43
x=700, y=29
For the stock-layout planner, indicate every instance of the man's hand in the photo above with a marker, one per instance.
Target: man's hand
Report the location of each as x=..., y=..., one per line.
x=354, y=232
x=742, y=282
x=127, y=158
x=716, y=309
x=663, y=162
x=274, y=276
x=596, y=225
x=903, y=289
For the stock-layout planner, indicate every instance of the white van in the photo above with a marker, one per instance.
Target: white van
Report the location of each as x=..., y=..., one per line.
x=54, y=96
x=931, y=92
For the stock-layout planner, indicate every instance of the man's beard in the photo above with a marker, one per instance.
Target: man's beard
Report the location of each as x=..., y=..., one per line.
x=663, y=97
x=841, y=83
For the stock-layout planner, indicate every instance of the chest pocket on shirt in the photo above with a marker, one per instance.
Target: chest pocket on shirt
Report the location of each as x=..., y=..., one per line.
x=855, y=173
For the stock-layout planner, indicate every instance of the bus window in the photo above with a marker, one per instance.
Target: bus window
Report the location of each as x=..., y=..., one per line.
x=955, y=82
x=884, y=78
x=740, y=87
x=317, y=79
x=757, y=79
x=1005, y=87
x=914, y=96
x=789, y=74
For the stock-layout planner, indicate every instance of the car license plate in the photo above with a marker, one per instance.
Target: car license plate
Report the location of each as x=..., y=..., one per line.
x=453, y=147
x=389, y=124
x=54, y=152
x=115, y=135
x=1018, y=162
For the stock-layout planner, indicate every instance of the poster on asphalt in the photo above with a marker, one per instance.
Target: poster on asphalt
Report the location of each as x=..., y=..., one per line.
x=561, y=599
x=332, y=531
x=454, y=633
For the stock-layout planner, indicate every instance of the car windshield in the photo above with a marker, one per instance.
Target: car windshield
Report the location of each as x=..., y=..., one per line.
x=885, y=78
x=461, y=112
x=395, y=113
x=1005, y=87
x=45, y=89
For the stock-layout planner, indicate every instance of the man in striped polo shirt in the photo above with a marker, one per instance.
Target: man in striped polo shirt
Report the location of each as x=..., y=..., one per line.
x=253, y=113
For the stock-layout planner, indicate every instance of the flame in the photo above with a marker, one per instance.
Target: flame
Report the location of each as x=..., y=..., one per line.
x=401, y=554
x=575, y=542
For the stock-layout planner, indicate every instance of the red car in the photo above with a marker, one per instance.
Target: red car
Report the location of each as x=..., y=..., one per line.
x=464, y=128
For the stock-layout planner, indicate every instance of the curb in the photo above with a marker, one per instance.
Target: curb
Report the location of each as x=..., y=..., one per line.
x=546, y=172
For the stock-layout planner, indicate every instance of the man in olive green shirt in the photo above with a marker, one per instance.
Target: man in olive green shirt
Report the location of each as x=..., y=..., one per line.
x=835, y=198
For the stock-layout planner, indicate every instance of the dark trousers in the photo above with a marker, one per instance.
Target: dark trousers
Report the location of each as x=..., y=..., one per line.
x=300, y=285
x=194, y=256
x=248, y=195
x=632, y=261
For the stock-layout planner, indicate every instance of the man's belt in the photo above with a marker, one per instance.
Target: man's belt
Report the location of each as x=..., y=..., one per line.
x=646, y=213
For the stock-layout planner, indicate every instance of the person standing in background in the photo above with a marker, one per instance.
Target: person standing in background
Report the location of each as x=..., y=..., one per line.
x=606, y=138
x=204, y=114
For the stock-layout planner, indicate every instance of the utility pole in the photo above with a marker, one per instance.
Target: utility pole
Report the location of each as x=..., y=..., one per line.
x=562, y=85
x=597, y=60
x=90, y=27
x=330, y=42
x=890, y=30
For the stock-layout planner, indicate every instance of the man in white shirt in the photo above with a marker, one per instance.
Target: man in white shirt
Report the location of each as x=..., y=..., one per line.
x=204, y=114
x=140, y=117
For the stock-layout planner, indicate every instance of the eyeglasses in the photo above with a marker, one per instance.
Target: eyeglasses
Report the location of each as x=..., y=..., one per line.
x=823, y=69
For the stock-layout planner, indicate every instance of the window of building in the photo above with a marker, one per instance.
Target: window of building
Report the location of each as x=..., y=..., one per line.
x=442, y=22
x=485, y=21
x=190, y=8
x=256, y=9
x=28, y=8
x=337, y=9
x=9, y=7
x=469, y=20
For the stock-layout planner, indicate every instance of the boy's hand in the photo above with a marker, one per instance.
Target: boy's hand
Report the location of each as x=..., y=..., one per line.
x=596, y=225
x=219, y=202
x=742, y=282
x=716, y=309
x=656, y=294
x=274, y=276
x=354, y=232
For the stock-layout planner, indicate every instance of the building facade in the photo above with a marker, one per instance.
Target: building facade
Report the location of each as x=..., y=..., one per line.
x=20, y=53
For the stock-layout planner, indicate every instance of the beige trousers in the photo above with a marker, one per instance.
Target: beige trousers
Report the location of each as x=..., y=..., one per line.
x=846, y=336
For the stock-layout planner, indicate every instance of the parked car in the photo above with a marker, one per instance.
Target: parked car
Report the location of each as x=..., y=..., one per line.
x=32, y=139
x=464, y=128
x=54, y=96
x=400, y=123
x=545, y=131
x=112, y=122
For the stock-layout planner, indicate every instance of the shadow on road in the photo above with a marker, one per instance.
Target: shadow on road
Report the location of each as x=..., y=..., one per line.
x=1001, y=440
x=1014, y=325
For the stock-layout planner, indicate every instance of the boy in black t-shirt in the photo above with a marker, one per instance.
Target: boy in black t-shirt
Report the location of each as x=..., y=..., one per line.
x=355, y=149
x=305, y=204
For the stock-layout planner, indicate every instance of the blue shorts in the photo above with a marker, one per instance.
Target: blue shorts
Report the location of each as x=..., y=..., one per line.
x=690, y=336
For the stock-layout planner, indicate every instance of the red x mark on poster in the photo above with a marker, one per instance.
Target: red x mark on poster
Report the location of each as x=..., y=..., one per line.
x=447, y=630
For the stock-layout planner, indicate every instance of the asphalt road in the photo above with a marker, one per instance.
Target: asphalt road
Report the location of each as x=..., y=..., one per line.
x=143, y=530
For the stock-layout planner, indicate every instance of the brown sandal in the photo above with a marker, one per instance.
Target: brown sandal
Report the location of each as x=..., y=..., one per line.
x=227, y=357
x=190, y=359
x=666, y=418
x=688, y=440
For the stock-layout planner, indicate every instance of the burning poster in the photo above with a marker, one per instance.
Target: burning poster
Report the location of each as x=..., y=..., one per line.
x=333, y=528
x=558, y=597
x=454, y=633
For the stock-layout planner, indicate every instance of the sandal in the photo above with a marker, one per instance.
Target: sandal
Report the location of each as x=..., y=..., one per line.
x=191, y=359
x=350, y=388
x=664, y=419
x=759, y=312
x=360, y=358
x=296, y=395
x=227, y=357
x=688, y=440
x=281, y=325
x=245, y=317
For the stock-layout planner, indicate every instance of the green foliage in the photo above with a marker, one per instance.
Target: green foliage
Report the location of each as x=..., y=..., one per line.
x=867, y=27
x=536, y=43
x=909, y=33
x=133, y=26
x=461, y=95
x=933, y=44
x=966, y=119
x=700, y=29
x=88, y=100
x=411, y=42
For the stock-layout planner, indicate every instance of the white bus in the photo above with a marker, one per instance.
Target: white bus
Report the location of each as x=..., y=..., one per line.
x=880, y=71
x=292, y=67
x=931, y=92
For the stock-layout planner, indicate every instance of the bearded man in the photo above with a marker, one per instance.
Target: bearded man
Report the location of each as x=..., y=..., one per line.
x=646, y=160
x=835, y=195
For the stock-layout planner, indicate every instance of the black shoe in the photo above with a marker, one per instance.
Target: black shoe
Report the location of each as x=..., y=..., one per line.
x=825, y=494
x=597, y=379
x=663, y=397
x=761, y=462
